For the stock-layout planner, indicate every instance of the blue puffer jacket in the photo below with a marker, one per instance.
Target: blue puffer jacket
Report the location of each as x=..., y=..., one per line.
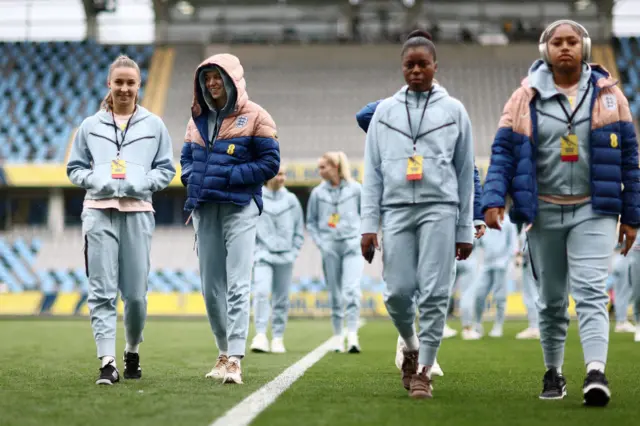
x=230, y=162
x=363, y=117
x=614, y=155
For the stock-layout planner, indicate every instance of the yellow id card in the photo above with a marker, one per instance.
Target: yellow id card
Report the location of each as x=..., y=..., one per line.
x=414, y=167
x=118, y=169
x=333, y=220
x=569, y=148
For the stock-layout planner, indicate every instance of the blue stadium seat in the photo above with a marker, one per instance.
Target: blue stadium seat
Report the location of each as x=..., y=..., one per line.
x=24, y=251
x=66, y=283
x=19, y=269
x=192, y=278
x=47, y=283
x=6, y=277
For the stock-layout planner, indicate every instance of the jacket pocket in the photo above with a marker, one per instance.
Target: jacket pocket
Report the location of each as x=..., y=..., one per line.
x=101, y=183
x=397, y=189
x=136, y=184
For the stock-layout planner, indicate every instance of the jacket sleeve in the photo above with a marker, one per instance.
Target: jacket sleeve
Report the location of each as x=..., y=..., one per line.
x=186, y=159
x=298, y=227
x=312, y=217
x=478, y=217
x=79, y=168
x=162, y=168
x=630, y=171
x=364, y=116
x=502, y=164
x=267, y=155
x=372, y=182
x=463, y=162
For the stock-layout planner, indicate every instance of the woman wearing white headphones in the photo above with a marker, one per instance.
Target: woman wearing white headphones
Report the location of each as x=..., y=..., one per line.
x=564, y=149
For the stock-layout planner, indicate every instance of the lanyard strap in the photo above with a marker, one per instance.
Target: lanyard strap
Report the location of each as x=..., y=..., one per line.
x=424, y=109
x=124, y=133
x=336, y=201
x=571, y=116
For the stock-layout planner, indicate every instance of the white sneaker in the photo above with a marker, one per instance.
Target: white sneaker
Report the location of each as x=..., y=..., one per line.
x=470, y=334
x=260, y=343
x=400, y=347
x=220, y=369
x=338, y=344
x=448, y=332
x=625, y=327
x=637, y=336
x=529, y=334
x=234, y=372
x=496, y=331
x=277, y=346
x=436, y=370
x=352, y=343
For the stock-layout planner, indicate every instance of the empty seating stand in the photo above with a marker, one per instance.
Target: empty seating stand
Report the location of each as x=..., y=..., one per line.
x=48, y=89
x=628, y=62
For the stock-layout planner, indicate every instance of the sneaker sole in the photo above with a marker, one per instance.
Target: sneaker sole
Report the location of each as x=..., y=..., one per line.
x=554, y=398
x=132, y=377
x=420, y=395
x=104, y=382
x=596, y=395
x=230, y=381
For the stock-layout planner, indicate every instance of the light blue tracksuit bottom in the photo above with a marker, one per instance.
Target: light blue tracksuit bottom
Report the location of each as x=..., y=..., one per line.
x=342, y=264
x=529, y=293
x=570, y=248
x=465, y=276
x=634, y=279
x=117, y=246
x=491, y=280
x=418, y=255
x=622, y=290
x=226, y=238
x=275, y=279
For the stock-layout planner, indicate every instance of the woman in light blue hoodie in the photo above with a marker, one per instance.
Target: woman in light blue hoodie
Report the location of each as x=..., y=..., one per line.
x=120, y=156
x=280, y=234
x=418, y=184
x=333, y=221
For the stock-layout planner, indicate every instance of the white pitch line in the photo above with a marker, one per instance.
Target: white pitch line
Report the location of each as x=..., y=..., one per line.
x=249, y=408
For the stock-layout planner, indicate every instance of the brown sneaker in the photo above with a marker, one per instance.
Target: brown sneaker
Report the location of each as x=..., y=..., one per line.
x=420, y=386
x=234, y=372
x=220, y=369
x=409, y=367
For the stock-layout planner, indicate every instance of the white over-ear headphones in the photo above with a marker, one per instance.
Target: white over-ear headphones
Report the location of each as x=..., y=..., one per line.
x=544, y=39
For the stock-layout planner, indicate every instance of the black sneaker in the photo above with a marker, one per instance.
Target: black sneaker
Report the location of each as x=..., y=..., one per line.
x=554, y=385
x=596, y=389
x=132, y=368
x=108, y=375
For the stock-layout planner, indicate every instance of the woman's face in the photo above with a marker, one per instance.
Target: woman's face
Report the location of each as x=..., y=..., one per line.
x=124, y=84
x=327, y=170
x=214, y=83
x=565, y=48
x=280, y=178
x=418, y=67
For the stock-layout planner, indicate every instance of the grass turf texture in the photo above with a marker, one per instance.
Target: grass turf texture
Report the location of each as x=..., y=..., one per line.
x=49, y=368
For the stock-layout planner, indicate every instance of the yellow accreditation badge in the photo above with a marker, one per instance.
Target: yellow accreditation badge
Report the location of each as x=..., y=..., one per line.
x=118, y=169
x=414, y=167
x=569, y=148
x=333, y=220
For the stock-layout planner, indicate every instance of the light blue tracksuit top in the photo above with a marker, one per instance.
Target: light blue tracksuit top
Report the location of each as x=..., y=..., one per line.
x=499, y=246
x=448, y=167
x=326, y=200
x=280, y=232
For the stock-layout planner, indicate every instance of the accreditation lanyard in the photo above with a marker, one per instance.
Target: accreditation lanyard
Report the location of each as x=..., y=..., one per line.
x=571, y=117
x=119, y=144
x=424, y=110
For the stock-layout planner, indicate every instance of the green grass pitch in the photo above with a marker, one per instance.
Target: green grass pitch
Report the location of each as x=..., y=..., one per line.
x=48, y=368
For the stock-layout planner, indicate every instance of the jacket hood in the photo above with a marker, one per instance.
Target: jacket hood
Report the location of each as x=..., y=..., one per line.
x=405, y=95
x=540, y=78
x=228, y=63
x=139, y=114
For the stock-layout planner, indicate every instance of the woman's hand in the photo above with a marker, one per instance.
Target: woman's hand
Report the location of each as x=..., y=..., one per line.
x=366, y=242
x=463, y=250
x=628, y=234
x=480, y=230
x=493, y=217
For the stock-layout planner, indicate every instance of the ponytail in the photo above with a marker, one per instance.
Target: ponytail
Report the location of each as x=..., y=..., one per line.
x=121, y=61
x=341, y=162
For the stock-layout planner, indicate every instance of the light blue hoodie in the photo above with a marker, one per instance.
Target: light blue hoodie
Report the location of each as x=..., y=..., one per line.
x=326, y=200
x=444, y=140
x=557, y=177
x=499, y=246
x=146, y=149
x=280, y=227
